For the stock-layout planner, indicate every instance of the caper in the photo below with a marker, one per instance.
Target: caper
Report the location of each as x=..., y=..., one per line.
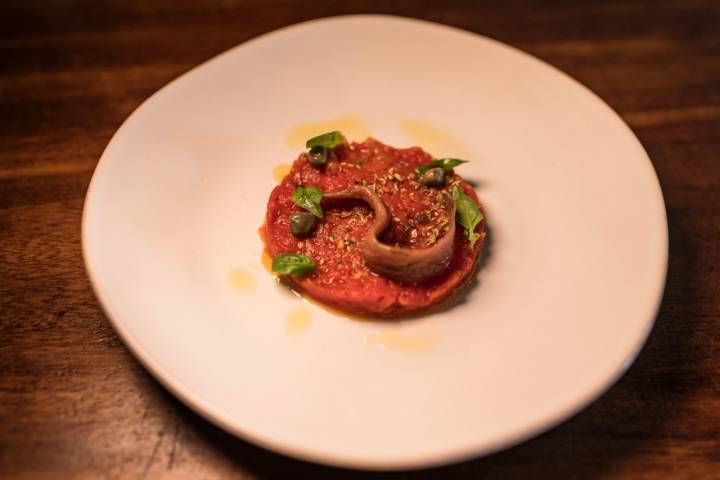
x=435, y=177
x=302, y=223
x=317, y=156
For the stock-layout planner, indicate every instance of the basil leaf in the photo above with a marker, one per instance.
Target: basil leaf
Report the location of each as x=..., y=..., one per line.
x=309, y=199
x=444, y=163
x=327, y=140
x=292, y=264
x=468, y=215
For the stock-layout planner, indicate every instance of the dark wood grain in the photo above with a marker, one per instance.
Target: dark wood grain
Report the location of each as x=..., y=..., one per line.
x=75, y=404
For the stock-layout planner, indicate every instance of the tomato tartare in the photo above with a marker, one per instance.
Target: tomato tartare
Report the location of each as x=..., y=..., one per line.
x=373, y=230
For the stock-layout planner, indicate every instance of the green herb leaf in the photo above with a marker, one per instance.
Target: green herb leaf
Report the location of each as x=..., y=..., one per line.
x=327, y=140
x=444, y=163
x=292, y=264
x=468, y=215
x=309, y=199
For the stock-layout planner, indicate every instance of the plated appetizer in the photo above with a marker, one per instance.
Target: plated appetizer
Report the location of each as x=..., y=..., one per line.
x=374, y=230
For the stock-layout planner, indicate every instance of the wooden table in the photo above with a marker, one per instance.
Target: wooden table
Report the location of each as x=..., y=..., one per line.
x=75, y=404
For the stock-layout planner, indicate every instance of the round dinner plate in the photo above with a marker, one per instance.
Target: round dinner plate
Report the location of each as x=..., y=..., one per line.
x=569, y=285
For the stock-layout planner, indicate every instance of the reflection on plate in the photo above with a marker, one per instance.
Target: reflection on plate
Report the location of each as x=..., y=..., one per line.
x=566, y=296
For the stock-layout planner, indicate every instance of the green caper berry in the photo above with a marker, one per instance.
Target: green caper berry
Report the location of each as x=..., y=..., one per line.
x=435, y=177
x=318, y=156
x=302, y=223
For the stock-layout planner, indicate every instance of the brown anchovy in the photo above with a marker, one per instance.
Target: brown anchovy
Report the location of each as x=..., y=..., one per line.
x=399, y=263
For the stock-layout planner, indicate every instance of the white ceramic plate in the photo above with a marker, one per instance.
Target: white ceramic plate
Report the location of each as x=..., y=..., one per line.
x=564, y=302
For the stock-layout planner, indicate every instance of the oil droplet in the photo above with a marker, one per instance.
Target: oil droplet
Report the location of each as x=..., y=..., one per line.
x=279, y=171
x=413, y=342
x=298, y=320
x=433, y=140
x=354, y=128
x=242, y=280
x=266, y=261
